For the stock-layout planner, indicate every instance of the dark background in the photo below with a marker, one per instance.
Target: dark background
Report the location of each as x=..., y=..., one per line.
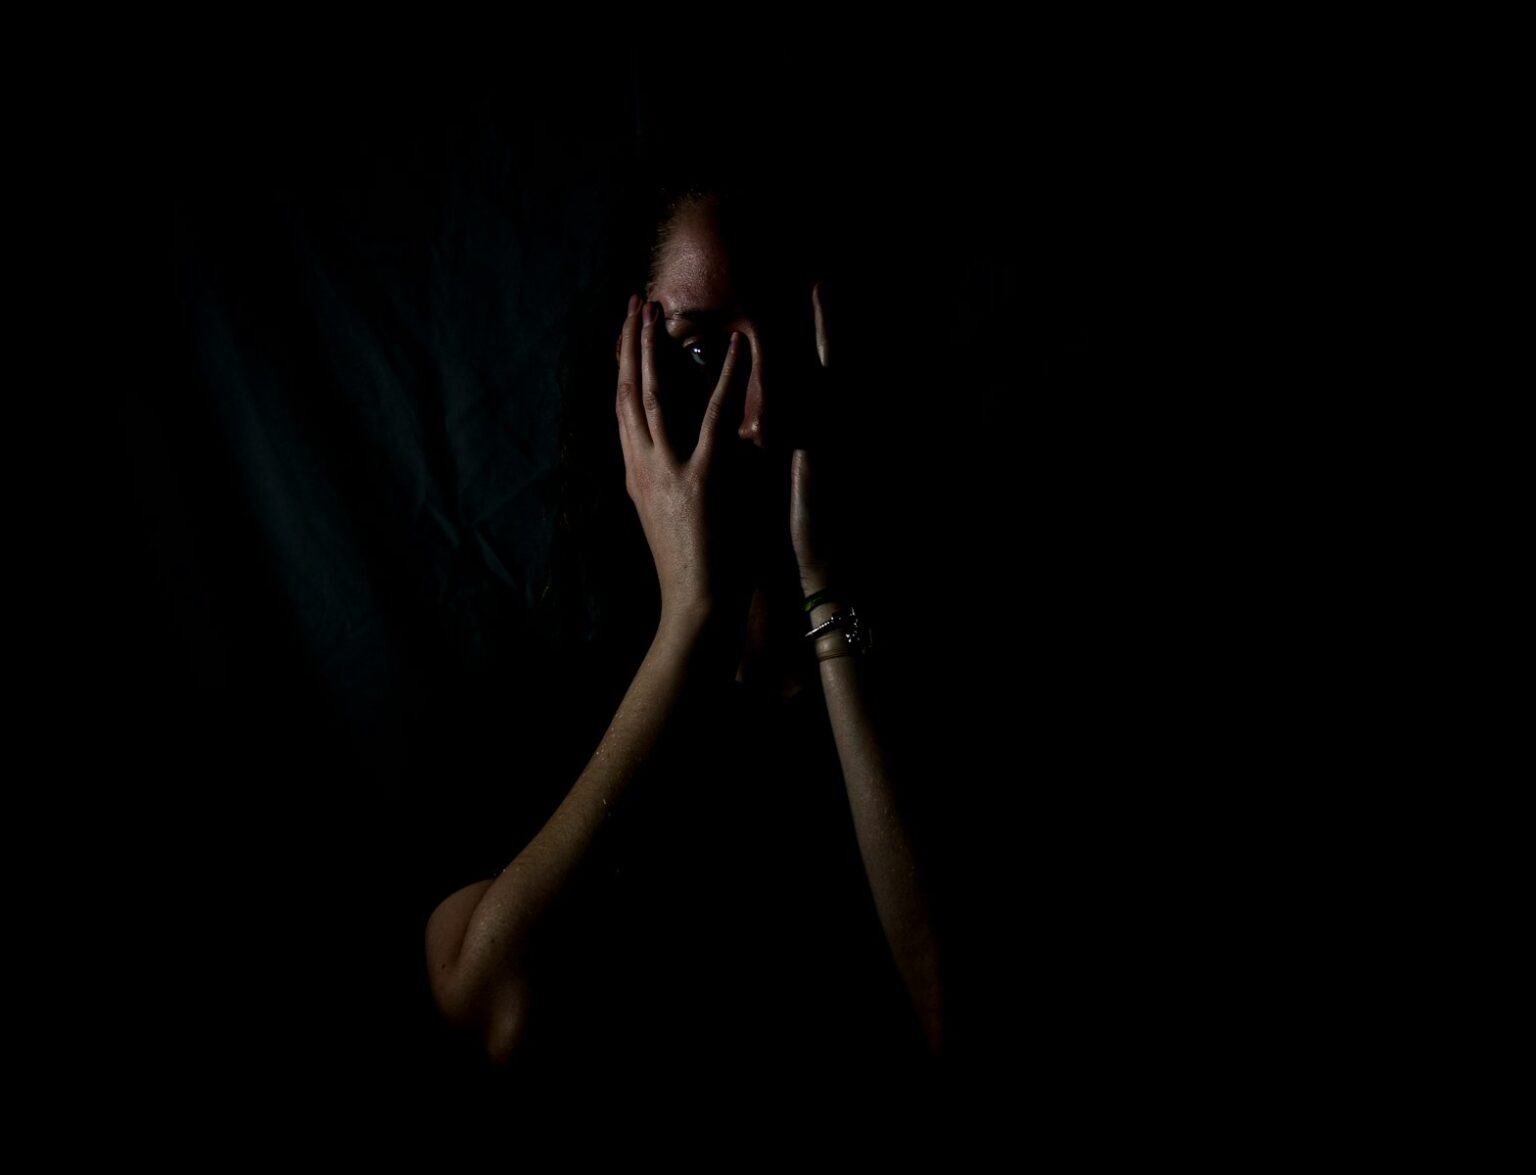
x=337, y=511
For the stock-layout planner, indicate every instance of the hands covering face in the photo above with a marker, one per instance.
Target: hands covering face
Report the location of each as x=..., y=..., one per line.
x=676, y=500
x=681, y=502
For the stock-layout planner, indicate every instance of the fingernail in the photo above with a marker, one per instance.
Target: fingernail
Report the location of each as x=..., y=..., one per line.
x=650, y=313
x=634, y=300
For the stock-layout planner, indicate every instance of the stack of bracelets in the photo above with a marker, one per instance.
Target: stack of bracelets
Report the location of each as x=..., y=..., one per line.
x=842, y=635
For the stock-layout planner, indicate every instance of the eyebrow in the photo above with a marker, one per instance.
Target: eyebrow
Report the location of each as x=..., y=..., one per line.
x=696, y=314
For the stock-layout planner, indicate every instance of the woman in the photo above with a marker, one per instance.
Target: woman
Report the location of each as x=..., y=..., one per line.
x=731, y=876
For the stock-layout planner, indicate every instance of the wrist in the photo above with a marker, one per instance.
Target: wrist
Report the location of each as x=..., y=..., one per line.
x=706, y=636
x=814, y=578
x=685, y=622
x=830, y=591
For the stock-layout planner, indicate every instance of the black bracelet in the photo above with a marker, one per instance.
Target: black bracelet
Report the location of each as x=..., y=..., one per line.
x=817, y=598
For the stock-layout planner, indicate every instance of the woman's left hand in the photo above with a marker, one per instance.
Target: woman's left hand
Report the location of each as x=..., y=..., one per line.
x=808, y=506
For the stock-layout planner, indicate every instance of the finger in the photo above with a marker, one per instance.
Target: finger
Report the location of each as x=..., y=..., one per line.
x=651, y=381
x=715, y=410
x=821, y=324
x=626, y=446
x=627, y=401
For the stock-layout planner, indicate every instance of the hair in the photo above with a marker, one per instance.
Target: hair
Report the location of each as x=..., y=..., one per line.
x=601, y=596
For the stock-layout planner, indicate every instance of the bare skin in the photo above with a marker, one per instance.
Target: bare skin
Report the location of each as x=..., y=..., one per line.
x=476, y=939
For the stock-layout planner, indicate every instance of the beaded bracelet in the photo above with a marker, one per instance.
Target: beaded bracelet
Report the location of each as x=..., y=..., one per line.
x=846, y=624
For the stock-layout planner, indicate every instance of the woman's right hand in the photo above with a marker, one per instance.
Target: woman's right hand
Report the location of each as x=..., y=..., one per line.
x=677, y=500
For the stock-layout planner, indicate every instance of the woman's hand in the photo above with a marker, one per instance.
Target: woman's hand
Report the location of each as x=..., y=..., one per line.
x=676, y=500
x=808, y=506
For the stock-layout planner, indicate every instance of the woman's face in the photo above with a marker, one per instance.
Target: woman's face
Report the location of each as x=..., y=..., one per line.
x=709, y=283
x=713, y=278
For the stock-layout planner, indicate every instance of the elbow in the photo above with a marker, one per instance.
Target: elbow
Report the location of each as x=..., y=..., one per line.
x=495, y=1015
x=504, y=1031
x=926, y=987
x=488, y=1002
x=935, y=1031
x=504, y=1027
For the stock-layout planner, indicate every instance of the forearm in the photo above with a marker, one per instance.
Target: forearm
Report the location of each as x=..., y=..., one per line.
x=487, y=966
x=883, y=833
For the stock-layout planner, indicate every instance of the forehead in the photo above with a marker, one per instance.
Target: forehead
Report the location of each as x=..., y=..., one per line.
x=694, y=266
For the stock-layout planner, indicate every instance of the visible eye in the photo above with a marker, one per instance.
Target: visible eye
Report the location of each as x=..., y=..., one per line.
x=704, y=357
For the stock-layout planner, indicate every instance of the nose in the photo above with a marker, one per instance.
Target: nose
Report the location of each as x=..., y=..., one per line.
x=775, y=387
x=781, y=370
x=753, y=416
